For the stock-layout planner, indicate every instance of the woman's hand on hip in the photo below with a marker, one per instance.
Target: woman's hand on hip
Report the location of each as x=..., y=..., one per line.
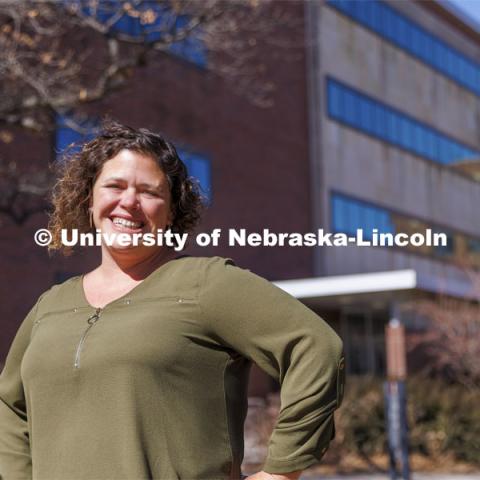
x=274, y=476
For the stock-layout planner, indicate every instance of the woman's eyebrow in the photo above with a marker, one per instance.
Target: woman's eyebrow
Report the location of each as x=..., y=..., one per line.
x=156, y=186
x=114, y=179
x=143, y=184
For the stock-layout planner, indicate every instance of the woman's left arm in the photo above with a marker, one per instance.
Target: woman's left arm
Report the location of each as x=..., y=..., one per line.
x=292, y=344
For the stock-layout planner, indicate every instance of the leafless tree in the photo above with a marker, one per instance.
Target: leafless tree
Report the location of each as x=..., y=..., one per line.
x=59, y=55
x=451, y=340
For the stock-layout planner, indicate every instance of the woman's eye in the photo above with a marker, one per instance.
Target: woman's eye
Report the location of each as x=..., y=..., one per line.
x=151, y=193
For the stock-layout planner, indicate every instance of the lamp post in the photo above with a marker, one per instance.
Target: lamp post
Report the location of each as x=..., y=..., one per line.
x=396, y=400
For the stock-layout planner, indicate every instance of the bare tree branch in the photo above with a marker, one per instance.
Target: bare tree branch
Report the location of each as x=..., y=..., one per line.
x=450, y=339
x=44, y=74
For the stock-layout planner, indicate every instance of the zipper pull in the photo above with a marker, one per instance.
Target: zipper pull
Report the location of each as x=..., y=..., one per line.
x=91, y=320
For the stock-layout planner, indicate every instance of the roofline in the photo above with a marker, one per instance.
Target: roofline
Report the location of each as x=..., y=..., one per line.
x=394, y=281
x=454, y=15
x=350, y=284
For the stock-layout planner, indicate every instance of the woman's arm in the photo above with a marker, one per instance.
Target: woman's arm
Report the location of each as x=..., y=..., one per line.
x=292, y=344
x=15, y=459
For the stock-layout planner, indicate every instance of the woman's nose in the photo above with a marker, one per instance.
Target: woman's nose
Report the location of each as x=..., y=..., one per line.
x=129, y=198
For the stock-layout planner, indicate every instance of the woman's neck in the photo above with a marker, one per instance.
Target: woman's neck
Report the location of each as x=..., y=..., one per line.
x=124, y=265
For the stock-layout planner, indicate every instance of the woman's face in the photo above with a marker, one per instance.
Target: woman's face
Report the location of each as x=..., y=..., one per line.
x=131, y=195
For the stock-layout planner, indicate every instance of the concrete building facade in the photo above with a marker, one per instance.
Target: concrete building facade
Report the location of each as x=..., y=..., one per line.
x=394, y=106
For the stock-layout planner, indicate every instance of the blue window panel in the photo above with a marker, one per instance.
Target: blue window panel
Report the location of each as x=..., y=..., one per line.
x=340, y=216
x=191, y=48
x=358, y=11
x=415, y=40
x=456, y=153
x=428, y=143
x=65, y=136
x=355, y=212
x=409, y=36
x=349, y=215
x=365, y=118
x=418, y=140
x=468, y=153
x=442, y=151
x=453, y=65
x=462, y=70
x=470, y=74
x=389, y=28
x=387, y=224
x=334, y=100
x=349, y=114
x=391, y=127
x=368, y=13
x=405, y=133
x=199, y=167
x=452, y=153
x=477, y=75
x=377, y=120
x=372, y=117
x=370, y=221
x=424, y=45
x=376, y=16
x=401, y=32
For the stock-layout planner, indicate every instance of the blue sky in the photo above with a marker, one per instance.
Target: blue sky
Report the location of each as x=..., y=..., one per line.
x=470, y=7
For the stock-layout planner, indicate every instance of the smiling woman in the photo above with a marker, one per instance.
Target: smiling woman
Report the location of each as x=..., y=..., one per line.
x=139, y=369
x=132, y=166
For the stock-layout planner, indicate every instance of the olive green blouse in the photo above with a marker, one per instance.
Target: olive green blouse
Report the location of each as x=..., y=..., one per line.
x=154, y=385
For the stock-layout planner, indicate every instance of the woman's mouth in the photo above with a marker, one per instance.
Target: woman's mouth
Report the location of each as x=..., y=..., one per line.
x=127, y=225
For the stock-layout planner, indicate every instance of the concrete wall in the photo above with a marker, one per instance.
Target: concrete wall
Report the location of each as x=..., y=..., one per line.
x=353, y=163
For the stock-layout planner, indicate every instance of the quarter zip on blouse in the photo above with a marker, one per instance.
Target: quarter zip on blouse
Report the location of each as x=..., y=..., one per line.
x=92, y=320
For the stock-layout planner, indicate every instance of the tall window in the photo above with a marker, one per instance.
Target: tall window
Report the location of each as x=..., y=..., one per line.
x=66, y=136
x=199, y=167
x=357, y=110
x=402, y=32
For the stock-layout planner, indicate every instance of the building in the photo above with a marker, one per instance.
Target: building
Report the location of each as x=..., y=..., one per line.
x=244, y=155
x=394, y=103
x=370, y=123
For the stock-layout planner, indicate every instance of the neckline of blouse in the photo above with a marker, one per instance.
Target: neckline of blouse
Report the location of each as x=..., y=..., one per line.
x=83, y=298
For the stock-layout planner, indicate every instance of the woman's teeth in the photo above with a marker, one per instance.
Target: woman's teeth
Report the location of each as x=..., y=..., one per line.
x=126, y=223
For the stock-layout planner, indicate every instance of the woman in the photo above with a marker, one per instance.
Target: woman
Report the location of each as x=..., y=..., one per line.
x=139, y=368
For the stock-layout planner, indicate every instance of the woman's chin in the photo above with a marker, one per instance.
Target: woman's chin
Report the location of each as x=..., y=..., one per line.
x=123, y=246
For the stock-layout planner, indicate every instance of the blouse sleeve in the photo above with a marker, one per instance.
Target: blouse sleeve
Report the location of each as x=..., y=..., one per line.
x=15, y=459
x=289, y=342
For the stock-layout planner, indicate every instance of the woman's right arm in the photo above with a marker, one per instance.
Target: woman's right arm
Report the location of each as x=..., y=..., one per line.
x=15, y=459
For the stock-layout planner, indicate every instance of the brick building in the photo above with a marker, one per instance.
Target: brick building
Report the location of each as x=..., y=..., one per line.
x=370, y=119
x=254, y=159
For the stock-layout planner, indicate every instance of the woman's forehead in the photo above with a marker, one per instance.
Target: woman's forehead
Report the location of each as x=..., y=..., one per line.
x=127, y=164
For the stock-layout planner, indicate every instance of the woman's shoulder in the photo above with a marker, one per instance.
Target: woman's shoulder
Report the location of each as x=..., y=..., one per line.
x=196, y=264
x=198, y=271
x=59, y=295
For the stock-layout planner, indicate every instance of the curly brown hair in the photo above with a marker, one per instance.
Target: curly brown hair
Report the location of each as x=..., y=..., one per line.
x=77, y=173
